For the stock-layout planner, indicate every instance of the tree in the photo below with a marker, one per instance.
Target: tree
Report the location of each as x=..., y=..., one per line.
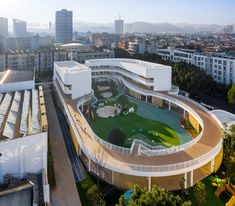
x=228, y=151
x=157, y=196
x=182, y=186
x=121, y=53
x=185, y=75
x=50, y=166
x=116, y=136
x=231, y=95
x=123, y=100
x=95, y=197
x=200, y=193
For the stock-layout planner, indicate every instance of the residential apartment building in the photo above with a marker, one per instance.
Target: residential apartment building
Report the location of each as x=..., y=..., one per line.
x=46, y=57
x=119, y=26
x=81, y=52
x=137, y=46
x=3, y=27
x=219, y=66
x=3, y=61
x=42, y=60
x=25, y=43
x=151, y=48
x=22, y=43
x=17, y=60
x=104, y=39
x=19, y=28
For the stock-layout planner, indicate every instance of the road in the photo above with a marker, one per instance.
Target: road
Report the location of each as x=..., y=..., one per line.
x=65, y=193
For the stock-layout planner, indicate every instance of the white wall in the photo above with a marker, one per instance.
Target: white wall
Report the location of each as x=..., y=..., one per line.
x=81, y=83
x=17, y=86
x=162, y=80
x=23, y=155
x=160, y=73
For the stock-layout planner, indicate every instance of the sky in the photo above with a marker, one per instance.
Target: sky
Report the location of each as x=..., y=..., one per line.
x=105, y=11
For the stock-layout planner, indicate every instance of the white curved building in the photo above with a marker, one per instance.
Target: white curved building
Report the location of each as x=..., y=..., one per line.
x=142, y=163
x=156, y=77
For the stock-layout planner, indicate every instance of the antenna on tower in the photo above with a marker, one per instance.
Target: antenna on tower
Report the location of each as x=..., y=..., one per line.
x=119, y=16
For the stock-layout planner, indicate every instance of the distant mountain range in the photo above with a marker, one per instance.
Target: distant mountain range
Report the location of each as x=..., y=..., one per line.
x=138, y=27
x=145, y=27
x=83, y=26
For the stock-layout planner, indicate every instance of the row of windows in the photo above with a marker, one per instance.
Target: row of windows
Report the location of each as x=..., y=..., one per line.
x=150, y=80
x=182, y=55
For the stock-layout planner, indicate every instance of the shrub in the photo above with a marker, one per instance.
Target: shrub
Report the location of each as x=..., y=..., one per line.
x=157, y=196
x=231, y=95
x=85, y=186
x=200, y=193
x=50, y=167
x=95, y=197
x=116, y=136
x=123, y=100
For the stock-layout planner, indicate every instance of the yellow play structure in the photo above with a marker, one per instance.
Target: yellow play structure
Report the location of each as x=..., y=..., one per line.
x=223, y=186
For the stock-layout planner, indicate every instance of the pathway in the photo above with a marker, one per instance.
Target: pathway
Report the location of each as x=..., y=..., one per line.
x=65, y=193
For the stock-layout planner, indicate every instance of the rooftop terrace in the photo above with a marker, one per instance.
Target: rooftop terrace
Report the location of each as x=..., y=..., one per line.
x=71, y=66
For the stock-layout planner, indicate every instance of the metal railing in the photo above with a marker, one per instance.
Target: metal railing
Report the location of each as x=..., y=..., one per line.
x=170, y=167
x=194, y=102
x=134, y=169
x=96, y=137
x=166, y=97
x=153, y=152
x=144, y=148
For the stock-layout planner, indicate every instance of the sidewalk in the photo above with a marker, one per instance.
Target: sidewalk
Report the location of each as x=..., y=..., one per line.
x=65, y=193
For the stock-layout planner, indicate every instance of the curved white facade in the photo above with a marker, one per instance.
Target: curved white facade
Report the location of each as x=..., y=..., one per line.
x=154, y=76
x=159, y=166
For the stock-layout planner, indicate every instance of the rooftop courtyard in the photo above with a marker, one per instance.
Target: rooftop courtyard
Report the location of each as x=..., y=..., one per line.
x=135, y=119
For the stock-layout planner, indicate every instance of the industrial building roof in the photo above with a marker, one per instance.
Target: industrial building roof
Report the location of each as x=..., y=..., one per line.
x=22, y=113
x=11, y=76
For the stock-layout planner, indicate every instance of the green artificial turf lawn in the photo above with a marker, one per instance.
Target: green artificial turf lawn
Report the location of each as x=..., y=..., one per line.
x=134, y=122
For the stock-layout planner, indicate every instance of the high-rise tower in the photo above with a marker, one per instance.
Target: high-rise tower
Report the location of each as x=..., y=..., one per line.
x=64, y=26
